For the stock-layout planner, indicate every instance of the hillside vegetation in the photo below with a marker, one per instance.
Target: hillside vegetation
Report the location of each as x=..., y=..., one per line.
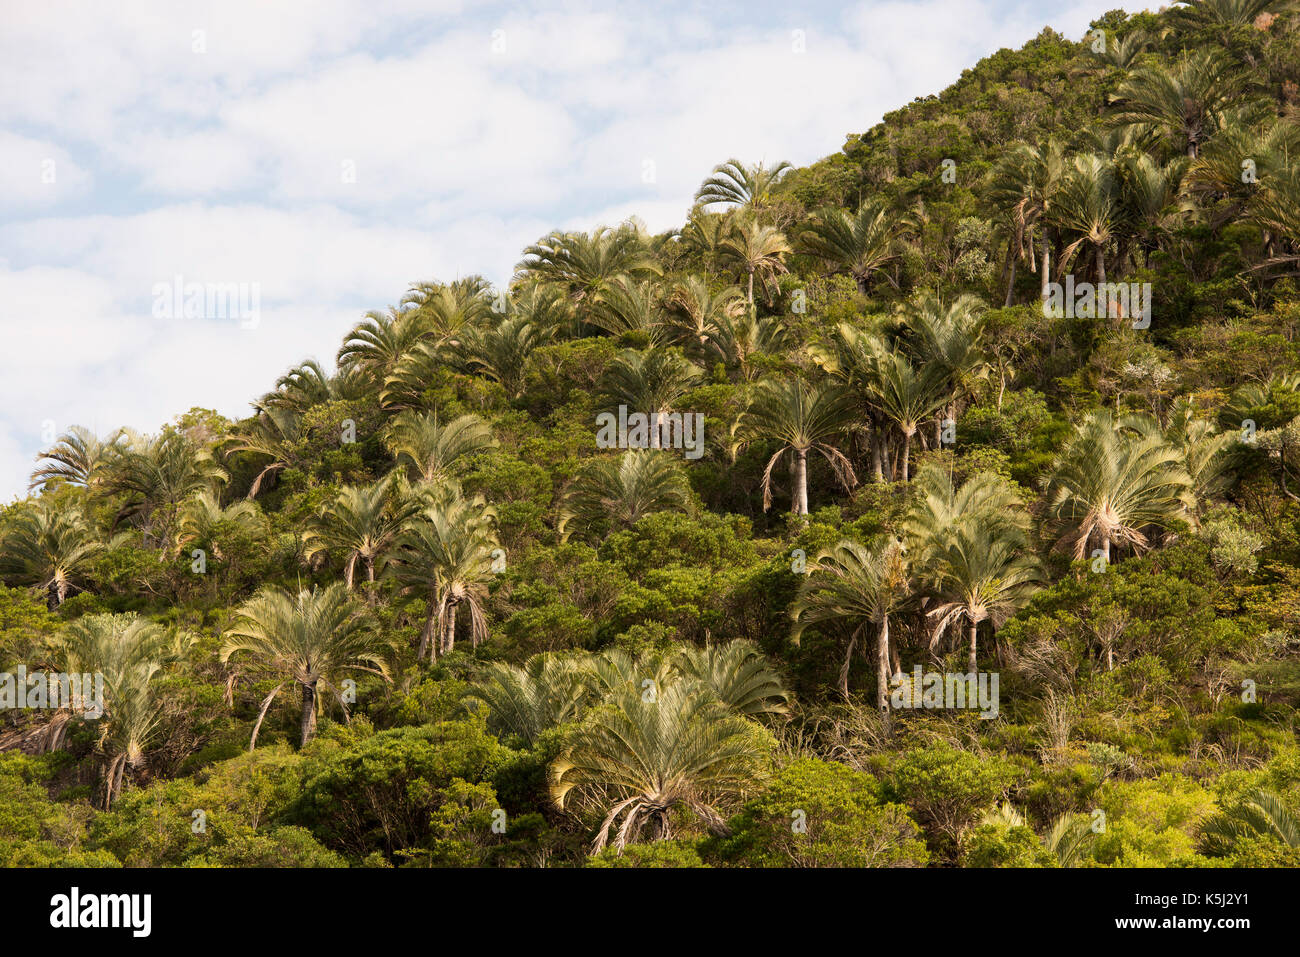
x=445, y=600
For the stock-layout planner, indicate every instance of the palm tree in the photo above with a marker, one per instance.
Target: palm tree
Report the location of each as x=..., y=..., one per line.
x=377, y=343
x=307, y=384
x=756, y=250
x=626, y=307
x=1216, y=174
x=204, y=522
x=311, y=637
x=947, y=337
x=738, y=675
x=738, y=185
x=1068, y=839
x=906, y=395
x=1275, y=209
x=79, y=457
x=430, y=450
x=741, y=338
x=585, y=263
x=1204, y=450
x=851, y=356
x=801, y=418
x=651, y=380
x=863, y=244
x=547, y=691
x=641, y=756
x=360, y=524
x=1151, y=201
x=616, y=669
x=128, y=651
x=501, y=352
x=981, y=571
x=546, y=308
x=1260, y=813
x=49, y=548
x=1117, y=53
x=623, y=490
x=1024, y=185
x=937, y=508
x=1222, y=16
x=861, y=587
x=446, y=556
x=704, y=234
x=1111, y=481
x=445, y=308
x=275, y=433
x=699, y=313
x=1087, y=207
x=1186, y=102
x=157, y=476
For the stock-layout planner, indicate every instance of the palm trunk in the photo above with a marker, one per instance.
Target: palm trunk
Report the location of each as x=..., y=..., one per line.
x=974, y=631
x=907, y=454
x=1101, y=263
x=369, y=562
x=844, y=669
x=801, y=482
x=349, y=571
x=112, y=779
x=882, y=668
x=1011, y=279
x=449, y=635
x=308, y=713
x=426, y=635
x=751, y=289
x=877, y=454
x=261, y=716
x=1045, y=278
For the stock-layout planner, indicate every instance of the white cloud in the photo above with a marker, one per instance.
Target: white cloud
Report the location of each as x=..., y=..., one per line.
x=37, y=173
x=219, y=157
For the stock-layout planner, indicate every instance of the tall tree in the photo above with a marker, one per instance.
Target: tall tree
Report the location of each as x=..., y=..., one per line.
x=861, y=587
x=1185, y=102
x=51, y=548
x=128, y=652
x=430, y=450
x=311, y=637
x=642, y=756
x=79, y=457
x=801, y=418
x=1112, y=483
x=863, y=244
x=359, y=525
x=756, y=250
x=738, y=185
x=446, y=555
x=982, y=571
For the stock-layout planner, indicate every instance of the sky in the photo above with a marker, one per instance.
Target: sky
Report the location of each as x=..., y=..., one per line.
x=313, y=159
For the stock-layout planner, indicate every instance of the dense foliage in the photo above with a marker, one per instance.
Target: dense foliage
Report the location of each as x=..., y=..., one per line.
x=456, y=600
